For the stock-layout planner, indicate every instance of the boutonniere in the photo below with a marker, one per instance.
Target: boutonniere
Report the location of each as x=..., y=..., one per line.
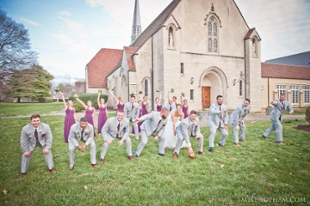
x=164, y=125
x=86, y=132
x=40, y=131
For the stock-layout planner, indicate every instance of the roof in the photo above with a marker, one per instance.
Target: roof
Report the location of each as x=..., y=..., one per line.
x=301, y=59
x=156, y=24
x=285, y=71
x=101, y=65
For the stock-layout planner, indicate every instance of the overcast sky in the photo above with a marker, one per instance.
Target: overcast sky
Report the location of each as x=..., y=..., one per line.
x=68, y=33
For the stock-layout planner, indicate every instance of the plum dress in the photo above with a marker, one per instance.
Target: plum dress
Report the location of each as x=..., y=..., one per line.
x=69, y=121
x=144, y=110
x=184, y=110
x=159, y=107
x=89, y=116
x=120, y=107
x=102, y=118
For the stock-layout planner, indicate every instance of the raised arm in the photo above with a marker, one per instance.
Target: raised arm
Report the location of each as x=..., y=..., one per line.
x=98, y=100
x=114, y=97
x=63, y=100
x=82, y=103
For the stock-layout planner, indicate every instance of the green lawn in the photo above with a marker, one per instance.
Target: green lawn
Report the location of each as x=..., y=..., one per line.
x=252, y=174
x=16, y=109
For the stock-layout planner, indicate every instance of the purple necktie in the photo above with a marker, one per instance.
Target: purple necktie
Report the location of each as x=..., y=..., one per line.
x=36, y=133
x=118, y=126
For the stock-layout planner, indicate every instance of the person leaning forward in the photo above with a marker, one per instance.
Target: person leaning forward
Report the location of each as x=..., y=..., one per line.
x=36, y=134
x=82, y=132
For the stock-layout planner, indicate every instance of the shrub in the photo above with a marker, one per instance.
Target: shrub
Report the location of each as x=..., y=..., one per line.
x=45, y=100
x=86, y=97
x=308, y=114
x=77, y=106
x=60, y=100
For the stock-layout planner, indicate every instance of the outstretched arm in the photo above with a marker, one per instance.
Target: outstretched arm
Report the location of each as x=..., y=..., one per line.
x=63, y=99
x=82, y=103
x=98, y=100
x=114, y=97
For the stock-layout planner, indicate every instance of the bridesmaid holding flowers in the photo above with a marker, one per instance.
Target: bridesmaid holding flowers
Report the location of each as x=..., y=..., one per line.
x=89, y=112
x=145, y=105
x=158, y=106
x=70, y=118
x=103, y=113
x=119, y=102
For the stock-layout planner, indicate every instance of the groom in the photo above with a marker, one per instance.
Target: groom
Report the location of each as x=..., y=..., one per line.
x=189, y=127
x=116, y=128
x=154, y=124
x=132, y=111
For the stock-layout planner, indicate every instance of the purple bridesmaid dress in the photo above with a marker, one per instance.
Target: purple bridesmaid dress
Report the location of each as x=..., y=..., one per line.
x=144, y=110
x=89, y=116
x=69, y=121
x=120, y=107
x=159, y=107
x=102, y=118
x=184, y=109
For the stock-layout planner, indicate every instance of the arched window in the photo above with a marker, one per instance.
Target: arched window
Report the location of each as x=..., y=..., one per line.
x=212, y=35
x=170, y=38
x=146, y=87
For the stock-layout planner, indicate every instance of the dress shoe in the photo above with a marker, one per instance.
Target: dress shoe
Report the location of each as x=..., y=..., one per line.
x=201, y=153
x=211, y=150
x=21, y=175
x=175, y=155
x=53, y=171
x=71, y=168
x=220, y=145
x=94, y=165
x=160, y=154
x=130, y=158
x=263, y=136
x=135, y=155
x=241, y=140
x=280, y=143
x=237, y=144
x=101, y=161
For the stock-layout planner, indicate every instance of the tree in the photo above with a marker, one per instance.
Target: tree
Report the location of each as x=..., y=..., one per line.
x=15, y=53
x=30, y=83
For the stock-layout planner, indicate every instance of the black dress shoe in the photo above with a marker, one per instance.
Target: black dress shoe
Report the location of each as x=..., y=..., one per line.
x=211, y=150
x=160, y=154
x=263, y=136
x=220, y=145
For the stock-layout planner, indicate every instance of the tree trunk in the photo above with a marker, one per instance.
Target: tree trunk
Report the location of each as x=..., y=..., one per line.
x=18, y=99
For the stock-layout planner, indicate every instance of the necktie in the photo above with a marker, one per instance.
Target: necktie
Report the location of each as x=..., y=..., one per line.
x=118, y=126
x=36, y=133
x=132, y=106
x=220, y=108
x=170, y=107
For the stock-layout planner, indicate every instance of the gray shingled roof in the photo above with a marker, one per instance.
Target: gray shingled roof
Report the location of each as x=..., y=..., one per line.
x=301, y=59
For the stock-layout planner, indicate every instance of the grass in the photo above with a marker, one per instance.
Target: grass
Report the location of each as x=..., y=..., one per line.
x=256, y=171
x=298, y=110
x=22, y=109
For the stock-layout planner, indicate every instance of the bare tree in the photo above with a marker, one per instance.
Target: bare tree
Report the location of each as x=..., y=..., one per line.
x=15, y=50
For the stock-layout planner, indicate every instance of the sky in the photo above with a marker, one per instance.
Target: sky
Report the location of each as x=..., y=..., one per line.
x=68, y=33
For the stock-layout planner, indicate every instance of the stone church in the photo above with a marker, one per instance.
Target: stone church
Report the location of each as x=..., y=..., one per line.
x=198, y=48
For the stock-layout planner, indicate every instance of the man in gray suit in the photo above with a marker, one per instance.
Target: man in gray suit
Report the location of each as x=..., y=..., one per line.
x=189, y=127
x=132, y=111
x=237, y=121
x=36, y=134
x=154, y=124
x=170, y=105
x=218, y=119
x=116, y=128
x=279, y=106
x=84, y=132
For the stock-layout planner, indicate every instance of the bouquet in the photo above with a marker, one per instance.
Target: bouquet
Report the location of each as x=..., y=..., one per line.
x=140, y=92
x=171, y=90
x=76, y=96
x=57, y=89
x=157, y=90
x=100, y=91
x=108, y=89
x=183, y=95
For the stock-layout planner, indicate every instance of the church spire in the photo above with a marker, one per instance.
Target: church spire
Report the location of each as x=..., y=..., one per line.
x=136, y=23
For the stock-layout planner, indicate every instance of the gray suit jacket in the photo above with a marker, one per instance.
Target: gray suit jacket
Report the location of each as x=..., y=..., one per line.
x=75, y=134
x=279, y=108
x=28, y=140
x=186, y=129
x=216, y=119
x=109, y=129
x=131, y=113
x=170, y=107
x=239, y=114
x=150, y=124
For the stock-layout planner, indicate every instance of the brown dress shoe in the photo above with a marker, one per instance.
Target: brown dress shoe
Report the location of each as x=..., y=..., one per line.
x=241, y=140
x=263, y=136
x=71, y=168
x=130, y=158
x=175, y=155
x=201, y=153
x=101, y=161
x=53, y=171
x=237, y=144
x=280, y=143
x=94, y=165
x=21, y=175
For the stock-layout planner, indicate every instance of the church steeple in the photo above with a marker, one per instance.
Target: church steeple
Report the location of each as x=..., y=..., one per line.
x=136, y=23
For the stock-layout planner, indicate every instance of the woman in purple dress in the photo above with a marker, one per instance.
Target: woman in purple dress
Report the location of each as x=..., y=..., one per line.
x=70, y=117
x=89, y=112
x=119, y=102
x=185, y=107
x=145, y=106
x=158, y=106
x=103, y=113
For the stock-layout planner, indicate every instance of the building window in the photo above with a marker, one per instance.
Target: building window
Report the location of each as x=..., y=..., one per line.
x=240, y=88
x=212, y=35
x=295, y=94
x=306, y=94
x=281, y=90
x=182, y=68
x=170, y=38
x=191, y=94
x=146, y=87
